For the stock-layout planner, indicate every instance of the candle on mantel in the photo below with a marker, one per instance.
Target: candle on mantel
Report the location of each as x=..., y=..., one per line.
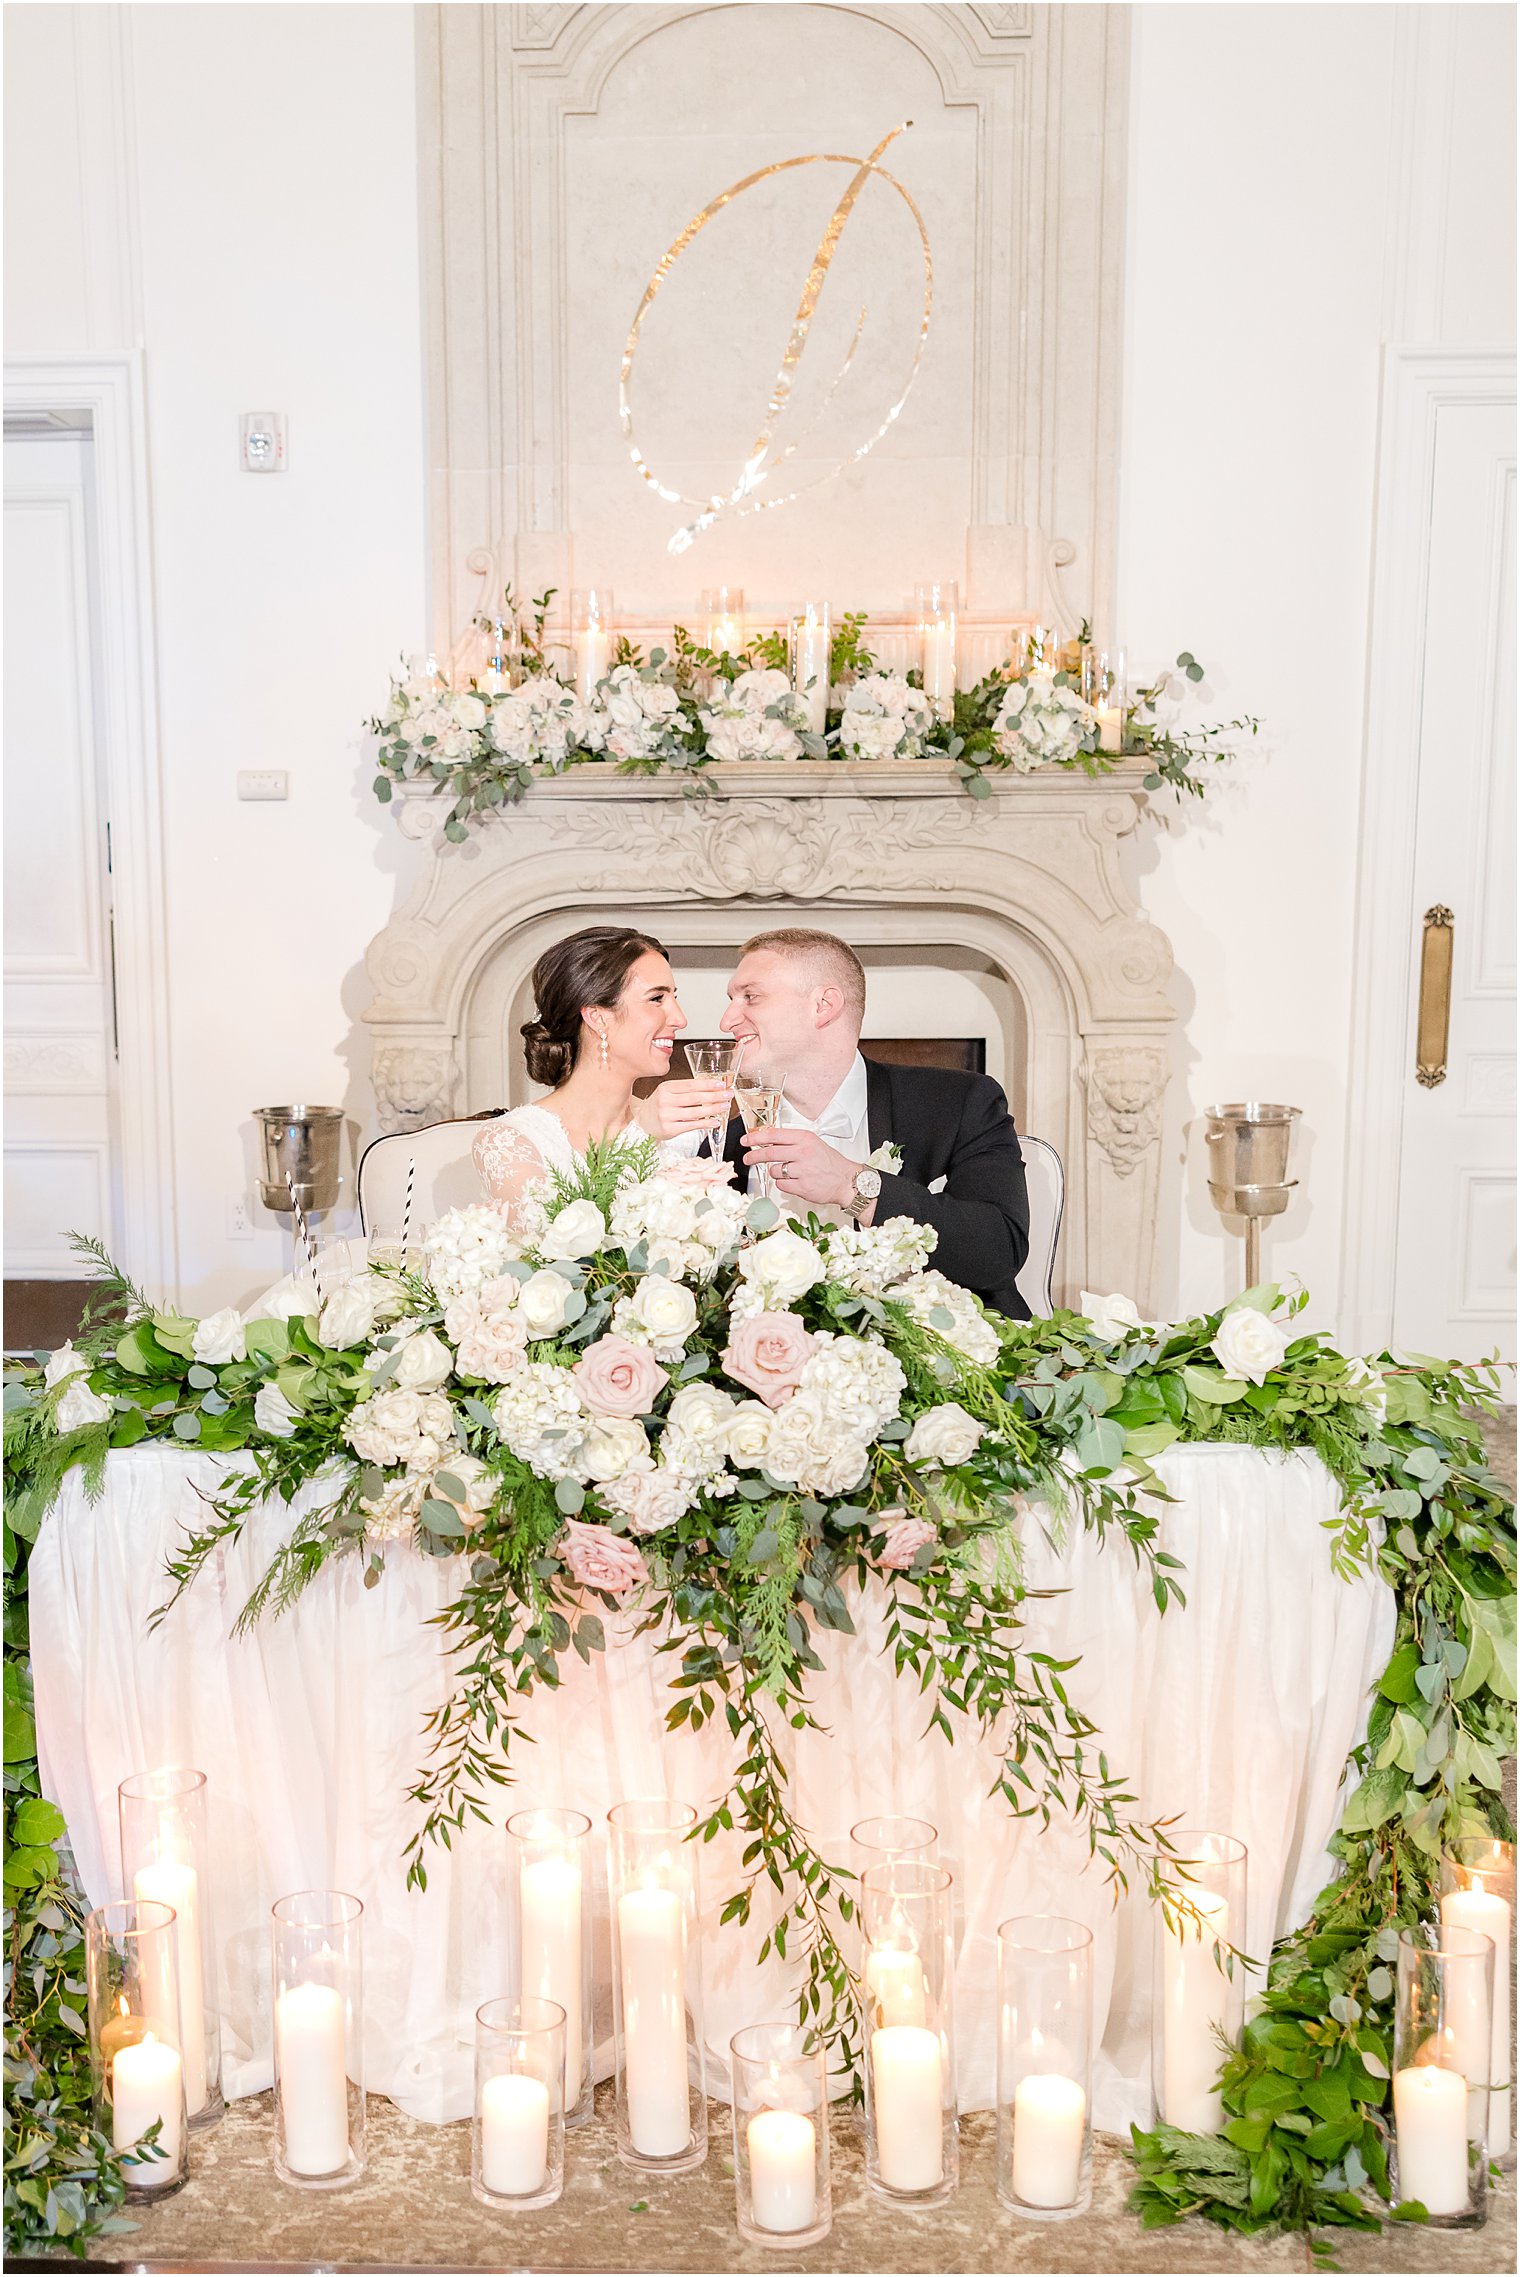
x=907, y=2101
x=812, y=649
x=1049, y=2121
x=652, y=1938
x=593, y=658
x=1195, y=2009
x=308, y=2023
x=1430, y=2121
x=551, y=1950
x=173, y=1882
x=147, y=2083
x=895, y=1975
x=783, y=2170
x=939, y=664
x=1110, y=727
x=1480, y=1908
x=514, y=2134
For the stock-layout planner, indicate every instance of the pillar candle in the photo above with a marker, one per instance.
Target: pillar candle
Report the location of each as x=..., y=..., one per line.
x=147, y=2083
x=551, y=1951
x=593, y=655
x=514, y=2134
x=308, y=2023
x=783, y=2167
x=812, y=665
x=1110, y=727
x=652, y=1938
x=1049, y=2124
x=907, y=2102
x=173, y=1883
x=1430, y=2118
x=1479, y=1908
x=939, y=663
x=895, y=1974
x=1196, y=1999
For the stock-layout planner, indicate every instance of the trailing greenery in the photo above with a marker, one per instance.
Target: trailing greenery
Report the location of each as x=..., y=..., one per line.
x=1065, y=1419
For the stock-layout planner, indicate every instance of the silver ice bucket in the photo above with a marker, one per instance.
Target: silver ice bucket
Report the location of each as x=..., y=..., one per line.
x=1249, y=1146
x=300, y=1144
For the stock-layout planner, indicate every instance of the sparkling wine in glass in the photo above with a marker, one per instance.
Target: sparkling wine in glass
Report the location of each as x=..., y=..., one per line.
x=718, y=1061
x=758, y=1093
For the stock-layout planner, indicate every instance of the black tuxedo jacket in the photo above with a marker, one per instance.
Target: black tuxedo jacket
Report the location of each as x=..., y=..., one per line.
x=956, y=1127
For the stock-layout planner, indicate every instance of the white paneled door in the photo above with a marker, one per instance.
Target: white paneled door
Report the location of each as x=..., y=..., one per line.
x=60, y=1154
x=1454, y=1287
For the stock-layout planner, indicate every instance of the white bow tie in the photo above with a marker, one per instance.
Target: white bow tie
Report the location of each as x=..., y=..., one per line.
x=835, y=1126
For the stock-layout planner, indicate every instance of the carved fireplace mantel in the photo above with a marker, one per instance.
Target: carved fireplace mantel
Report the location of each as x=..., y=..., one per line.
x=1029, y=879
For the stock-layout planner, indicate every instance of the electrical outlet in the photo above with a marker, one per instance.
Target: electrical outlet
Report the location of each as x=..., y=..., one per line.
x=239, y=1219
x=263, y=783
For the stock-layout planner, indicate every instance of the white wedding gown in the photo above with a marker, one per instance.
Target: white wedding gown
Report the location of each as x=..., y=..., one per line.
x=518, y=1152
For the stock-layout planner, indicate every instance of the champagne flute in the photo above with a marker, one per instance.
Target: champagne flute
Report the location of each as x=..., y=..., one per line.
x=758, y=1093
x=719, y=1061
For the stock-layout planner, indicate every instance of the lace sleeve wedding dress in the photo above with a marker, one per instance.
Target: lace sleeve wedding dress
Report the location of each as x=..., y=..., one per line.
x=518, y=1152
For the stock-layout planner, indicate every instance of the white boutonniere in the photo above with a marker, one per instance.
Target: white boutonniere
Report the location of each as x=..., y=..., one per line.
x=886, y=1158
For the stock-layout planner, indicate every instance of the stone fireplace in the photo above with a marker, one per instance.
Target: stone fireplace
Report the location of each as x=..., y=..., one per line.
x=1017, y=901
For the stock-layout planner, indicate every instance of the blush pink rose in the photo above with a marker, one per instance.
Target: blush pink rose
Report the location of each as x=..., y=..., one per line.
x=699, y=1171
x=899, y=1543
x=767, y=1352
x=599, y=1560
x=617, y=1377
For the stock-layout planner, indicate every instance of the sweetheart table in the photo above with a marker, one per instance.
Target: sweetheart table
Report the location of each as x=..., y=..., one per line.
x=1234, y=1711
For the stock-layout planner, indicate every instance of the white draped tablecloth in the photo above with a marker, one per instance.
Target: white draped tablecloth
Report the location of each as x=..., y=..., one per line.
x=1235, y=1711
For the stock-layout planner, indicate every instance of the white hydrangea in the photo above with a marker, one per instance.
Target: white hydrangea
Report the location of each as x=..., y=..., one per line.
x=884, y=717
x=392, y=1513
x=656, y=1208
x=638, y=717
x=810, y=1447
x=861, y=1381
x=540, y=723
x=1042, y=725
x=868, y=1259
x=539, y=1414
x=969, y=1331
x=467, y=1247
x=756, y=716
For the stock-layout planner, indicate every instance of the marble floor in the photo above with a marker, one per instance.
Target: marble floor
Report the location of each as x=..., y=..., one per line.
x=414, y=2211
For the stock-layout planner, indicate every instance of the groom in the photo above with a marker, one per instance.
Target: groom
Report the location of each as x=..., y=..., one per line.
x=799, y=999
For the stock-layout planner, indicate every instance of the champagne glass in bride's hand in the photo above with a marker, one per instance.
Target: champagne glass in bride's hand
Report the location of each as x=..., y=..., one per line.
x=758, y=1093
x=718, y=1062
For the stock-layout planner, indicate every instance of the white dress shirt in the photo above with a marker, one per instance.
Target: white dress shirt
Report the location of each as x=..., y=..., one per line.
x=842, y=1124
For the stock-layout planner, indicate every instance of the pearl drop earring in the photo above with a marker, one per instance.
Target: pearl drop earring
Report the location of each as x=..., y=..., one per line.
x=601, y=1035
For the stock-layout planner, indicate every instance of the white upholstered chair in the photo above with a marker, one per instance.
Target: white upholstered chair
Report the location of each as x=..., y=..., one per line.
x=446, y=1178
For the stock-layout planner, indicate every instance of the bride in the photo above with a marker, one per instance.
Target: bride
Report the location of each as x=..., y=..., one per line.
x=608, y=1016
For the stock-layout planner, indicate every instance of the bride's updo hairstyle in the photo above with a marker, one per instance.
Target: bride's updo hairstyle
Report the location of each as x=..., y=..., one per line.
x=585, y=968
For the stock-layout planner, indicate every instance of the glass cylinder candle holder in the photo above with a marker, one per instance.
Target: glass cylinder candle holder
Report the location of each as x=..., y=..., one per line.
x=499, y=657
x=590, y=638
x=1199, y=1990
x=136, y=2067
x=1044, y=2068
x=723, y=613
x=877, y=1840
x=1478, y=1892
x=319, y=2138
x=907, y=1987
x=1441, y=2049
x=164, y=1856
x=1103, y=686
x=781, y=2135
x=517, y=2156
x=937, y=606
x=549, y=1949
x=661, y=2097
x=812, y=648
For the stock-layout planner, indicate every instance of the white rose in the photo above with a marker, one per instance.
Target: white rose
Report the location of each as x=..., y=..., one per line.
x=615, y=1445
x=476, y=1481
x=944, y=1435
x=783, y=1267
x=78, y=1404
x=470, y=713
x=273, y=1413
x=544, y=1303
x=664, y=1309
x=575, y=1231
x=650, y=1499
x=1248, y=1344
x=298, y=1301
x=348, y=1316
x=423, y=1363
x=701, y=1411
x=747, y=1435
x=219, y=1338
x=1111, y=1318
x=64, y=1363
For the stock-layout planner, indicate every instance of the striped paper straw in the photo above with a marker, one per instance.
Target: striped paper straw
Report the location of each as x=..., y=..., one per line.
x=406, y=1213
x=304, y=1235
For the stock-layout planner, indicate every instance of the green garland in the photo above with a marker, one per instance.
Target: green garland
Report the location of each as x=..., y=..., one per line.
x=1075, y=1412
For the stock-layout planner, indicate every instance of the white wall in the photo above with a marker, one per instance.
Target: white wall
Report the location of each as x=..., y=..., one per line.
x=1306, y=183
x=263, y=158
